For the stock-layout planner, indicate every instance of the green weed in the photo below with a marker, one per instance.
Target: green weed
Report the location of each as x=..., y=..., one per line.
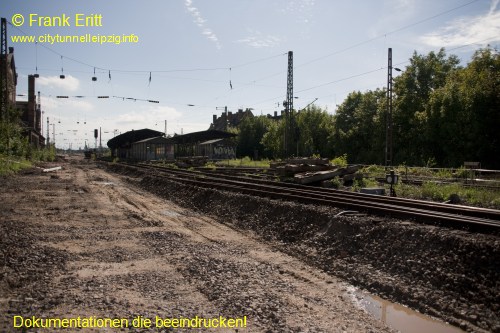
x=244, y=162
x=340, y=161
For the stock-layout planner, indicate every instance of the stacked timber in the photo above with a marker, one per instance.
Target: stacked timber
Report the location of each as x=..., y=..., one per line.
x=347, y=174
x=293, y=166
x=313, y=170
x=191, y=161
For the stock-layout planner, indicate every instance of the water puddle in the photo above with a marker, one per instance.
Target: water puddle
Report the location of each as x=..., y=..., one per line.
x=105, y=183
x=169, y=213
x=400, y=317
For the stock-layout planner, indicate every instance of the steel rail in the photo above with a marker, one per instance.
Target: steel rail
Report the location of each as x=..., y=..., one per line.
x=363, y=203
x=435, y=206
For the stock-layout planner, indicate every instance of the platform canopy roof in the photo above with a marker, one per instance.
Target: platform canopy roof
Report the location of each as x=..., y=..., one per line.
x=156, y=139
x=201, y=136
x=127, y=138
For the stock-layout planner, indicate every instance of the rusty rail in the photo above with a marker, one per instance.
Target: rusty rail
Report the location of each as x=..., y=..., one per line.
x=466, y=217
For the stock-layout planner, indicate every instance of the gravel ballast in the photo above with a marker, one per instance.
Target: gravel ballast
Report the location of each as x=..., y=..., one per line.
x=450, y=274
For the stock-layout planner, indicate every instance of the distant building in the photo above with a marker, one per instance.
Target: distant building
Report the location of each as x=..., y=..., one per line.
x=121, y=145
x=8, y=82
x=229, y=119
x=276, y=116
x=213, y=144
x=156, y=148
x=146, y=144
x=31, y=116
x=216, y=149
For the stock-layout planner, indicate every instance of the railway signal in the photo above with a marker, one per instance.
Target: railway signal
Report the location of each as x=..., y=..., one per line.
x=392, y=178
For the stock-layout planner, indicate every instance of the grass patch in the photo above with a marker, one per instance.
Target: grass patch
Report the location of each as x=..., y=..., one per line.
x=10, y=165
x=418, y=172
x=363, y=183
x=244, y=162
x=475, y=196
x=340, y=161
x=211, y=166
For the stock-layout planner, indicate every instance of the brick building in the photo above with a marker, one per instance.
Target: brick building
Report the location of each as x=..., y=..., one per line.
x=229, y=119
x=8, y=82
x=31, y=115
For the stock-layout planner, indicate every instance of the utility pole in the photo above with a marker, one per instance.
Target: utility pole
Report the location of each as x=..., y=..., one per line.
x=388, y=121
x=38, y=123
x=288, y=103
x=4, y=82
x=48, y=133
x=226, y=124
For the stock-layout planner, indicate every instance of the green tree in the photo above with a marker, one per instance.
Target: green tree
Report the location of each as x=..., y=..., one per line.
x=463, y=115
x=12, y=142
x=251, y=132
x=359, y=129
x=314, y=128
x=412, y=91
x=273, y=139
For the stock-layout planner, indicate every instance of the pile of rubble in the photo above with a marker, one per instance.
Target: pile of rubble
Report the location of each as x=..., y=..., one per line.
x=191, y=161
x=316, y=170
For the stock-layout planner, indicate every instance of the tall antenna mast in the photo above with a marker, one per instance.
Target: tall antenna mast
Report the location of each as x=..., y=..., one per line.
x=388, y=128
x=48, y=132
x=4, y=90
x=288, y=103
x=289, y=83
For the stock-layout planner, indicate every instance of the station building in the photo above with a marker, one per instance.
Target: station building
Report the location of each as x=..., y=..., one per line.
x=146, y=145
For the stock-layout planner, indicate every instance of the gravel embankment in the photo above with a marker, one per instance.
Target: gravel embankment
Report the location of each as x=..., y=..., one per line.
x=450, y=274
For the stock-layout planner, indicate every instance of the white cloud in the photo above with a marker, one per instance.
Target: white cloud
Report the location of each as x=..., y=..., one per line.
x=299, y=5
x=148, y=117
x=493, y=6
x=301, y=9
x=188, y=127
x=257, y=40
x=66, y=106
x=70, y=83
x=401, y=5
x=467, y=30
x=200, y=22
x=77, y=105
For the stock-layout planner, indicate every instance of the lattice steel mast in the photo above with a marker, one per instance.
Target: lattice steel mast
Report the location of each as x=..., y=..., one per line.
x=288, y=103
x=4, y=90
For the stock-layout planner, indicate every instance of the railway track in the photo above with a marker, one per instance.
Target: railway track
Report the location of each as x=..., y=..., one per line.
x=456, y=216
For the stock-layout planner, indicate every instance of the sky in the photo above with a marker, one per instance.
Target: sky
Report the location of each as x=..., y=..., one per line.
x=195, y=57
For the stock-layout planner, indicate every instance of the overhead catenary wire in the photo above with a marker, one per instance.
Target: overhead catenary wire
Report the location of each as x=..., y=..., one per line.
x=274, y=98
x=367, y=72
x=135, y=99
x=258, y=60
x=386, y=34
x=147, y=71
x=253, y=82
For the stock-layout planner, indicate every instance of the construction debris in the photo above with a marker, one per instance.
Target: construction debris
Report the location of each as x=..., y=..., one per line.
x=191, y=161
x=52, y=169
x=312, y=170
x=290, y=167
x=312, y=177
x=376, y=191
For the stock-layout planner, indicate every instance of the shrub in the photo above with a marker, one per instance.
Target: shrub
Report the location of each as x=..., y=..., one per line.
x=340, y=161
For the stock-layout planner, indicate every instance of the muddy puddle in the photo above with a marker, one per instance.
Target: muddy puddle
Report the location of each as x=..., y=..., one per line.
x=398, y=316
x=105, y=183
x=170, y=213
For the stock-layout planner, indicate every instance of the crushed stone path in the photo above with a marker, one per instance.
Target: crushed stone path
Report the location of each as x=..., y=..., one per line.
x=81, y=242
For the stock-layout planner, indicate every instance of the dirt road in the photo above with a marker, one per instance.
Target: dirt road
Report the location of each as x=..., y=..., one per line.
x=82, y=242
